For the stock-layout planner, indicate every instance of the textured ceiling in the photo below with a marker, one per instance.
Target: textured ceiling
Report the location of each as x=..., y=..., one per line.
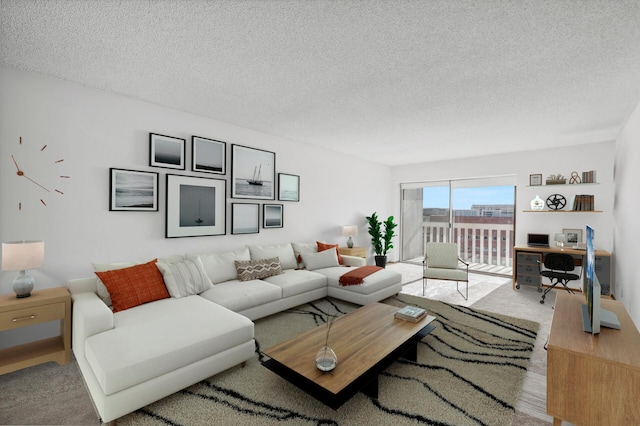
x=394, y=82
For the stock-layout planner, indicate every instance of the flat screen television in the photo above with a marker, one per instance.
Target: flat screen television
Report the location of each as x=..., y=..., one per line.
x=593, y=316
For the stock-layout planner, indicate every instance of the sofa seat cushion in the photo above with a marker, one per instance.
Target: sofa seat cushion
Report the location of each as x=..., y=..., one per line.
x=240, y=295
x=372, y=283
x=156, y=338
x=295, y=282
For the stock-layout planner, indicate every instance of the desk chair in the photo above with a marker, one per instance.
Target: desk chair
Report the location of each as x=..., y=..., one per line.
x=558, y=270
x=441, y=262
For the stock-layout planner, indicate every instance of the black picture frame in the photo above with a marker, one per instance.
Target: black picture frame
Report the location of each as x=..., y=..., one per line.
x=245, y=218
x=272, y=215
x=133, y=190
x=253, y=173
x=208, y=155
x=535, y=179
x=166, y=151
x=288, y=187
x=196, y=206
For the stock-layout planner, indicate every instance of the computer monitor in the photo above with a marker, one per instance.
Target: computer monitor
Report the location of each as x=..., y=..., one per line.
x=593, y=316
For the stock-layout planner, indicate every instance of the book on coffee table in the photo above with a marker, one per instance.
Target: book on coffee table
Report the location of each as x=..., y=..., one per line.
x=411, y=313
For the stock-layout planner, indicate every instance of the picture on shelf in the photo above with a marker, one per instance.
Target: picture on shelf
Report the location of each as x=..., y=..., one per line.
x=535, y=179
x=572, y=236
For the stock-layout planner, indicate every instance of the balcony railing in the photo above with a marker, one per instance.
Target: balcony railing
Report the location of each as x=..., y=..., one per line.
x=478, y=243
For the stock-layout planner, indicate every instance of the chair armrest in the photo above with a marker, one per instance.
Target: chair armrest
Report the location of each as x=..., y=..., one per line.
x=90, y=317
x=353, y=260
x=460, y=260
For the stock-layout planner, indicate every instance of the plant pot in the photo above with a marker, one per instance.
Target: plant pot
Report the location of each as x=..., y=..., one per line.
x=381, y=261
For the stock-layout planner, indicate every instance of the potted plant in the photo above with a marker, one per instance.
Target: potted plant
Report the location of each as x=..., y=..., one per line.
x=382, y=234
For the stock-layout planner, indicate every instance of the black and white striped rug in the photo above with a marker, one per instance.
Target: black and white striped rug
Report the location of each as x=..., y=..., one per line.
x=470, y=371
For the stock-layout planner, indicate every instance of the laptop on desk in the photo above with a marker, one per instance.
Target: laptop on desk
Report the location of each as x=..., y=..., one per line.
x=538, y=240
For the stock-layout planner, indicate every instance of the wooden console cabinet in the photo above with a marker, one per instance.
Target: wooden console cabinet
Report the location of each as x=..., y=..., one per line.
x=353, y=251
x=44, y=305
x=592, y=380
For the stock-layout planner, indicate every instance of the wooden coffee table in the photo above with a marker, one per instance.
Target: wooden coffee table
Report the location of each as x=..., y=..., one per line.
x=366, y=342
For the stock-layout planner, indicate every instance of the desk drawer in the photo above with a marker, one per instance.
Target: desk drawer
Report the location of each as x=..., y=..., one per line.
x=529, y=269
x=529, y=258
x=533, y=280
x=28, y=316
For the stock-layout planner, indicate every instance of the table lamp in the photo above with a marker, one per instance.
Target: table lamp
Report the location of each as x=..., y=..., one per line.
x=22, y=256
x=559, y=240
x=350, y=231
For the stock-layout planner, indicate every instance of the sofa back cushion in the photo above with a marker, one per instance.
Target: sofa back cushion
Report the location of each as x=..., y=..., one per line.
x=322, y=259
x=284, y=252
x=135, y=285
x=299, y=248
x=185, y=277
x=221, y=267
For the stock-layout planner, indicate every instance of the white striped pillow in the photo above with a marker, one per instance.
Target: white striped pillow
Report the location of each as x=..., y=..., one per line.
x=185, y=277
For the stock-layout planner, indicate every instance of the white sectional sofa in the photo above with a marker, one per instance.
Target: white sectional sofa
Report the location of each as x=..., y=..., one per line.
x=138, y=355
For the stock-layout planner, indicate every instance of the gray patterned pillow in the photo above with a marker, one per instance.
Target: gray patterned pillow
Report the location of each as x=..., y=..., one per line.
x=257, y=269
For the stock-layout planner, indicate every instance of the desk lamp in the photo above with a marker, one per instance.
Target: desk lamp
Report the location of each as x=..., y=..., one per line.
x=21, y=256
x=350, y=231
x=559, y=240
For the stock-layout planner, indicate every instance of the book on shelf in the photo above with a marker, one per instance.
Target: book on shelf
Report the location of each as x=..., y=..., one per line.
x=411, y=313
x=583, y=202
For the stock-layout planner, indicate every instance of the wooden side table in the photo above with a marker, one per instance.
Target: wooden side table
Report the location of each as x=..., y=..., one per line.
x=42, y=306
x=353, y=251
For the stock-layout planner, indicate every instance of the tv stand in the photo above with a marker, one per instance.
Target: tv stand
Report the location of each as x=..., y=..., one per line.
x=592, y=379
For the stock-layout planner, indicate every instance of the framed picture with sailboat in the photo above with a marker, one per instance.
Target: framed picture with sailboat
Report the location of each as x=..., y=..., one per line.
x=252, y=173
x=196, y=206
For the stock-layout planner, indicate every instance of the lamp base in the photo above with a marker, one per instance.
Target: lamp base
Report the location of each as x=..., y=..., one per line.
x=350, y=243
x=23, y=284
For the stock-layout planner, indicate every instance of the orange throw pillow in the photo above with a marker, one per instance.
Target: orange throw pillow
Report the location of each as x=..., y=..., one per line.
x=323, y=247
x=134, y=286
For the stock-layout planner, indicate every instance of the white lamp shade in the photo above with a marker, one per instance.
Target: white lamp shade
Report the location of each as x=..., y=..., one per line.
x=22, y=255
x=350, y=231
x=560, y=238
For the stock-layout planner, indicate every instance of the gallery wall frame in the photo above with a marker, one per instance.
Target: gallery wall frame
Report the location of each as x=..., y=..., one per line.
x=208, y=155
x=166, y=151
x=133, y=190
x=196, y=206
x=245, y=218
x=253, y=173
x=272, y=215
x=288, y=187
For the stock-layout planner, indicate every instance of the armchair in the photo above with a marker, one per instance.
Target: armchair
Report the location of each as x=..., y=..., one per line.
x=441, y=262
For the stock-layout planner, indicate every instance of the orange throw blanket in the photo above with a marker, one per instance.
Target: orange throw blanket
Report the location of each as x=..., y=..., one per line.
x=357, y=275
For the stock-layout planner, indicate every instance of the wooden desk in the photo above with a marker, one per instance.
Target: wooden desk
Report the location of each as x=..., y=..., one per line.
x=526, y=270
x=592, y=380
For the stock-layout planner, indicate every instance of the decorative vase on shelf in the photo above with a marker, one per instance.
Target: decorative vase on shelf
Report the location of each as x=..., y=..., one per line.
x=537, y=203
x=326, y=359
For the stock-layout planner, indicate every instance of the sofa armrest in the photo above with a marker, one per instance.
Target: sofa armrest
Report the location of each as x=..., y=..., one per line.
x=90, y=317
x=353, y=260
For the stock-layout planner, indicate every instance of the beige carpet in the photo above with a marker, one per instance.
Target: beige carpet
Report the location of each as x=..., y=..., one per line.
x=470, y=371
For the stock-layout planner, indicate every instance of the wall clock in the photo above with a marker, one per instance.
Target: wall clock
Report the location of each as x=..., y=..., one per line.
x=35, y=170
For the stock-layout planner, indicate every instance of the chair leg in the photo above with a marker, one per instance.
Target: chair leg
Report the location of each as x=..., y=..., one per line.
x=424, y=284
x=467, y=291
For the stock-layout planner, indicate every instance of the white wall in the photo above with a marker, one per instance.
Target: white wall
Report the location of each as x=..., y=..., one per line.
x=93, y=130
x=627, y=220
x=598, y=156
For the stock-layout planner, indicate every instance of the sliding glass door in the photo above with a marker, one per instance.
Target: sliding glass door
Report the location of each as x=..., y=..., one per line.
x=477, y=214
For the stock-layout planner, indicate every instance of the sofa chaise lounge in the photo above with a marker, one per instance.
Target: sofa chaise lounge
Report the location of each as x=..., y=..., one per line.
x=134, y=356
